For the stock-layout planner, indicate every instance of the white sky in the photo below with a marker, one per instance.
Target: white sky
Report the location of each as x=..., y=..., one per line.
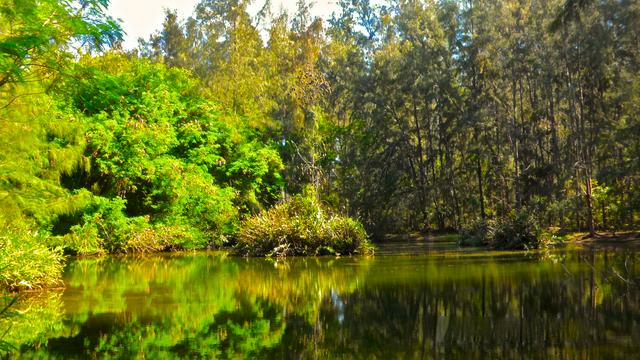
x=141, y=18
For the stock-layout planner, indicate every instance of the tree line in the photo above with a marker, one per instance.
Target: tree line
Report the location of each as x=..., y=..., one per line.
x=430, y=115
x=408, y=115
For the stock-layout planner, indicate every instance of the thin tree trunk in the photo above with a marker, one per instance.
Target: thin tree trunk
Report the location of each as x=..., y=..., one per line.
x=589, y=200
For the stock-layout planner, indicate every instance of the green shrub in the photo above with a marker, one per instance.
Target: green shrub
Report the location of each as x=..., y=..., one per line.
x=516, y=231
x=165, y=238
x=25, y=261
x=301, y=227
x=106, y=229
x=474, y=234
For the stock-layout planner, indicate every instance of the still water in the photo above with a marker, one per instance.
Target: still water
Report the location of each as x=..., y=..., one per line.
x=577, y=304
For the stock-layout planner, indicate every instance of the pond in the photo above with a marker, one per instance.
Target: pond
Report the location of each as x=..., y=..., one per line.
x=571, y=304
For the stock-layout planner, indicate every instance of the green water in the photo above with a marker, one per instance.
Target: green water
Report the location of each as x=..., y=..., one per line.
x=447, y=305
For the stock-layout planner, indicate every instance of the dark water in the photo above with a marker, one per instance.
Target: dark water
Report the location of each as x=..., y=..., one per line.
x=566, y=304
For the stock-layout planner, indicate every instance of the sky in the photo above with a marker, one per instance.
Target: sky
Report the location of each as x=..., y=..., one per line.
x=141, y=18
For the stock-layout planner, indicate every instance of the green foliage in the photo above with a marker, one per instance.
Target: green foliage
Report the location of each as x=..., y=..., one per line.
x=300, y=227
x=128, y=156
x=456, y=110
x=227, y=58
x=29, y=319
x=516, y=231
x=169, y=168
x=474, y=234
x=106, y=228
x=34, y=35
x=40, y=144
x=25, y=261
x=277, y=84
x=6, y=302
x=121, y=156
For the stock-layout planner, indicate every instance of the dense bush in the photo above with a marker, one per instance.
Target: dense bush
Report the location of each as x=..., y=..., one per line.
x=124, y=156
x=299, y=227
x=106, y=228
x=25, y=262
x=516, y=231
x=165, y=168
x=151, y=130
x=474, y=234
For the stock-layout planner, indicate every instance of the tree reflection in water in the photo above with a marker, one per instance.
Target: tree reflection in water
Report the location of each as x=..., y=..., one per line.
x=572, y=305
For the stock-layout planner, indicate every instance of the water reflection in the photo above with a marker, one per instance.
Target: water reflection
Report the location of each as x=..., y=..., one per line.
x=571, y=305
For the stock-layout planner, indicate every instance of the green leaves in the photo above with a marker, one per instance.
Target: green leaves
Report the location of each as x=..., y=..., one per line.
x=302, y=227
x=155, y=141
x=25, y=261
x=36, y=35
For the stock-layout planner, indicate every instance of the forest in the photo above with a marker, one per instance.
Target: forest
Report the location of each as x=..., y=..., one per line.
x=495, y=119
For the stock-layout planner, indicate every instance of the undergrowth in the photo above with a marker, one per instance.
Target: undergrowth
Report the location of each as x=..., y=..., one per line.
x=516, y=231
x=301, y=227
x=25, y=262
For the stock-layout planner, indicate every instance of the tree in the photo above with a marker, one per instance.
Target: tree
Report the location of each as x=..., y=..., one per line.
x=37, y=34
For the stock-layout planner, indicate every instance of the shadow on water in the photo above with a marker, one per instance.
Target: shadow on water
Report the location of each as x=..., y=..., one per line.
x=564, y=304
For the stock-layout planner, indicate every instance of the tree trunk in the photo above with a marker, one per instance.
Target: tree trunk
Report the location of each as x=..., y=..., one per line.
x=480, y=191
x=589, y=198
